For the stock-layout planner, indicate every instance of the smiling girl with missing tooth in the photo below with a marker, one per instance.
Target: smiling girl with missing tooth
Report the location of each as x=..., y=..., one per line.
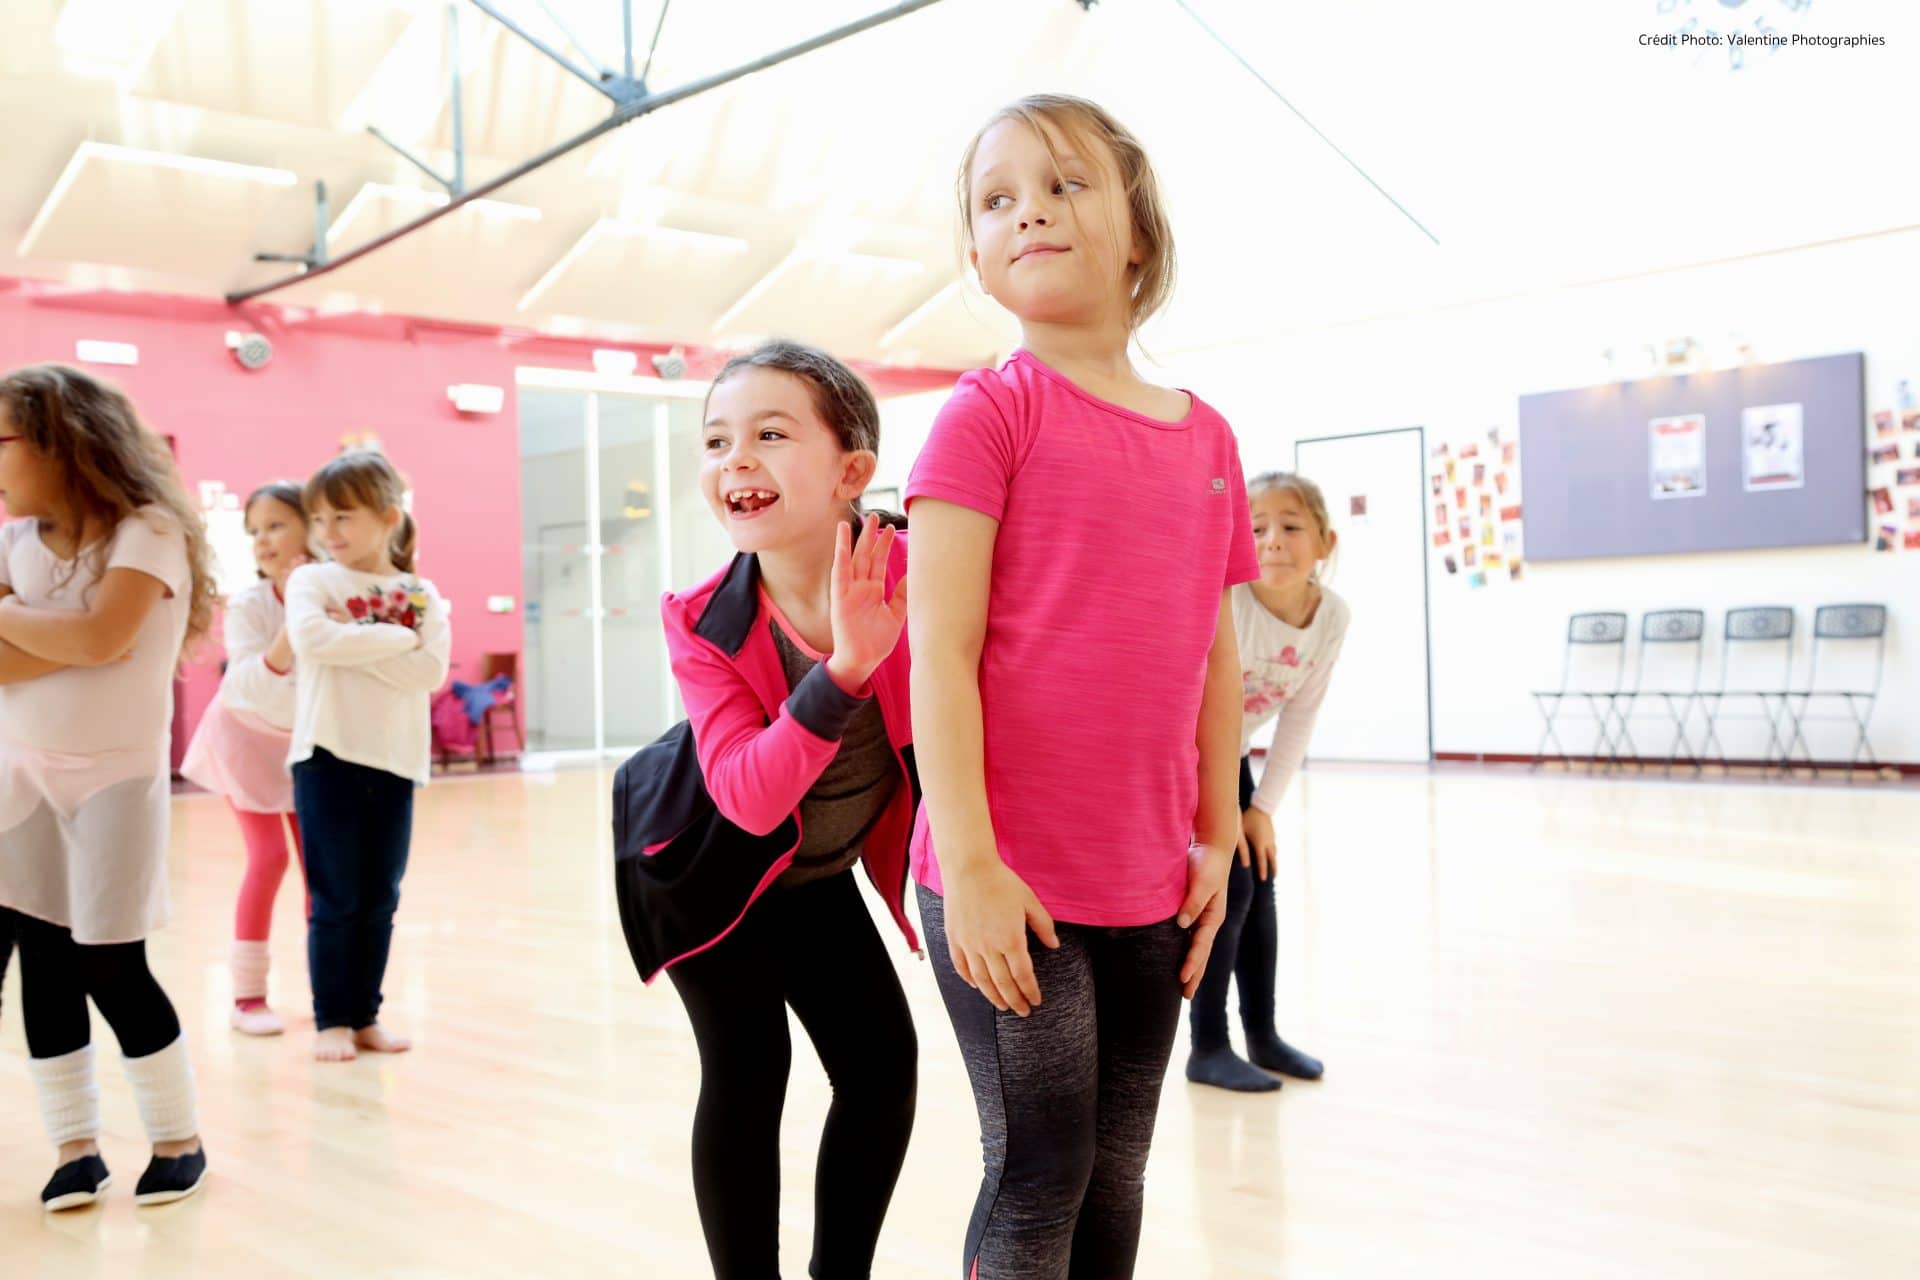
x=794, y=766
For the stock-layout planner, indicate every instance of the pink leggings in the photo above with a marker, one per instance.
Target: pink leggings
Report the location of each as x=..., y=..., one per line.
x=266, y=864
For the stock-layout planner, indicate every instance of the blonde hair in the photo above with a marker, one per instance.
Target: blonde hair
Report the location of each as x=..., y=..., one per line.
x=112, y=465
x=1151, y=282
x=1310, y=497
x=363, y=478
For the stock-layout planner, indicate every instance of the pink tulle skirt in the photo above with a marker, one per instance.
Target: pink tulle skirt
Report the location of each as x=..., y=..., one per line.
x=242, y=757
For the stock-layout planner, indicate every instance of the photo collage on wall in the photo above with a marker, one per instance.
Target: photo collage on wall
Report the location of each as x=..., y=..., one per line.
x=1475, y=490
x=1893, y=475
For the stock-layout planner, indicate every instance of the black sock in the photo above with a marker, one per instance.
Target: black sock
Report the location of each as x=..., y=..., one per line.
x=1268, y=1050
x=1225, y=1069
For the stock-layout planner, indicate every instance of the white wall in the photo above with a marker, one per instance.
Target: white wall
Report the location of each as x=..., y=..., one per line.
x=1459, y=370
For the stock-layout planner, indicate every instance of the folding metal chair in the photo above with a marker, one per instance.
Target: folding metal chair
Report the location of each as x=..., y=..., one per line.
x=1658, y=629
x=1853, y=625
x=1751, y=628
x=1587, y=634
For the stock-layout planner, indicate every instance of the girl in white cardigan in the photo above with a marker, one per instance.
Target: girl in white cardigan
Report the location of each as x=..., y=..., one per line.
x=1290, y=628
x=371, y=643
x=239, y=749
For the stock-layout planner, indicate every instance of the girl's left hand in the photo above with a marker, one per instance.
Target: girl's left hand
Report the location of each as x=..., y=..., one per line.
x=339, y=615
x=1204, y=909
x=866, y=624
x=1256, y=834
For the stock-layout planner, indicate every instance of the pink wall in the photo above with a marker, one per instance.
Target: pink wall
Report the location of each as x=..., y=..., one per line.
x=331, y=377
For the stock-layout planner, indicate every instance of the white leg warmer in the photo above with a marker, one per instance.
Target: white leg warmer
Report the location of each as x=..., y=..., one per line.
x=69, y=1095
x=163, y=1090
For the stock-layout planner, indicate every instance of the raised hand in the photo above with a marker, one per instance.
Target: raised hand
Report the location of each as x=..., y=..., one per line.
x=866, y=622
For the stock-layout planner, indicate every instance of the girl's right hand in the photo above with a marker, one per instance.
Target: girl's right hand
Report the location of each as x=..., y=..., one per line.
x=989, y=910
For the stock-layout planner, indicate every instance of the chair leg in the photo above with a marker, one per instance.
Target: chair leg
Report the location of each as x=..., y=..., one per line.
x=486, y=738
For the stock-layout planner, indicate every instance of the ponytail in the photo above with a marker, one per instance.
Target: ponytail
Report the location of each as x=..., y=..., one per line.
x=405, y=539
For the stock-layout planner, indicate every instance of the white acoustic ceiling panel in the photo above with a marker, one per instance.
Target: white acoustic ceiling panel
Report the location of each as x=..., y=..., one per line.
x=300, y=61
x=185, y=216
x=868, y=292
x=668, y=281
x=958, y=327
x=480, y=252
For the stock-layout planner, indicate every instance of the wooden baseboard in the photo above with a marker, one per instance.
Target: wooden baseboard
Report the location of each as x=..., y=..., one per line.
x=1905, y=770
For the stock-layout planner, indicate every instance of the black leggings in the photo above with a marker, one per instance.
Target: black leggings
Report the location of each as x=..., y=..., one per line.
x=814, y=948
x=1067, y=1097
x=1245, y=951
x=57, y=975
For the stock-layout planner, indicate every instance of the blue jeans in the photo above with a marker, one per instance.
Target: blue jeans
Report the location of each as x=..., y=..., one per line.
x=357, y=823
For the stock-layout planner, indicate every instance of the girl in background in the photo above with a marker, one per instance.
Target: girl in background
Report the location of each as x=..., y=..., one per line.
x=239, y=749
x=1290, y=628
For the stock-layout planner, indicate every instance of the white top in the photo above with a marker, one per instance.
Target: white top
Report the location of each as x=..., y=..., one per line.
x=84, y=750
x=1284, y=672
x=121, y=705
x=361, y=688
x=252, y=620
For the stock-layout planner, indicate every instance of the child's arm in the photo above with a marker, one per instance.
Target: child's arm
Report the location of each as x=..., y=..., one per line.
x=425, y=668
x=1289, y=748
x=317, y=638
x=757, y=773
x=248, y=638
x=1216, y=822
x=17, y=664
x=988, y=907
x=90, y=637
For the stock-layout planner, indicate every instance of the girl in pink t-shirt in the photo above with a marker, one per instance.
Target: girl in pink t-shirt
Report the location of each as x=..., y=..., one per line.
x=239, y=750
x=1076, y=692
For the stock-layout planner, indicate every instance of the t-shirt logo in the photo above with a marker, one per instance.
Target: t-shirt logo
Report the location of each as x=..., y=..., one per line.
x=1219, y=484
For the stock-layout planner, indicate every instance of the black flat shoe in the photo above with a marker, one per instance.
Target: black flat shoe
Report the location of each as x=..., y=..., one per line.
x=76, y=1184
x=170, y=1178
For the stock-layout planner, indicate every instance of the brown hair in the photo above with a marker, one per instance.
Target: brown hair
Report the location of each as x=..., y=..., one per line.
x=288, y=495
x=1151, y=282
x=840, y=396
x=1310, y=497
x=112, y=464
x=363, y=478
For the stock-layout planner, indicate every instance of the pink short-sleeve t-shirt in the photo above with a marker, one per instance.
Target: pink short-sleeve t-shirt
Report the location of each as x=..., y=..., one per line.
x=1118, y=535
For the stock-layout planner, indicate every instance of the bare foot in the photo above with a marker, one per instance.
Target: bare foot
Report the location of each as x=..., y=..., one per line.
x=71, y=1151
x=335, y=1044
x=169, y=1150
x=377, y=1039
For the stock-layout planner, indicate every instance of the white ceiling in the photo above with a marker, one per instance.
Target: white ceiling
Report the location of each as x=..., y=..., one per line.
x=1540, y=142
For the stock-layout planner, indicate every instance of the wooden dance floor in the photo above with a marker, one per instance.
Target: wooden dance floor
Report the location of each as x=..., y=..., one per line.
x=1574, y=1028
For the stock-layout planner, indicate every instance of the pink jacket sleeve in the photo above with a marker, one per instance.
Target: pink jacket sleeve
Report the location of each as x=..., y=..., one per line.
x=756, y=772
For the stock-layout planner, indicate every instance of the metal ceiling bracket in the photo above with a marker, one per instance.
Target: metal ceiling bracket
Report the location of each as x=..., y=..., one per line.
x=315, y=257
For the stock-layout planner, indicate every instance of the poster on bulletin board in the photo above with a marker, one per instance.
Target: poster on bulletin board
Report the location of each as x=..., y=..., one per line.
x=1677, y=450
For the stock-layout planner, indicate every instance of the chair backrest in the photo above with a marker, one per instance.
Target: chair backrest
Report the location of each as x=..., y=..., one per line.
x=1589, y=632
x=1759, y=625
x=1671, y=627
x=1849, y=623
x=500, y=664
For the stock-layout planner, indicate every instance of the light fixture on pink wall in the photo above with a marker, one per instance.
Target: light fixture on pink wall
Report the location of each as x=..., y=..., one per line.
x=476, y=397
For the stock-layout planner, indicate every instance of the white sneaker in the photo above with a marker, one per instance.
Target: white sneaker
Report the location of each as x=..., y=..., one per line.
x=257, y=1021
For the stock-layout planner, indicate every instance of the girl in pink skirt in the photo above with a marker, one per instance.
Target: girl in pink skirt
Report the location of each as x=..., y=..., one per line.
x=240, y=749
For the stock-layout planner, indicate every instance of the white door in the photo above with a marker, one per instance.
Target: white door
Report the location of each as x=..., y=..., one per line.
x=1377, y=706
